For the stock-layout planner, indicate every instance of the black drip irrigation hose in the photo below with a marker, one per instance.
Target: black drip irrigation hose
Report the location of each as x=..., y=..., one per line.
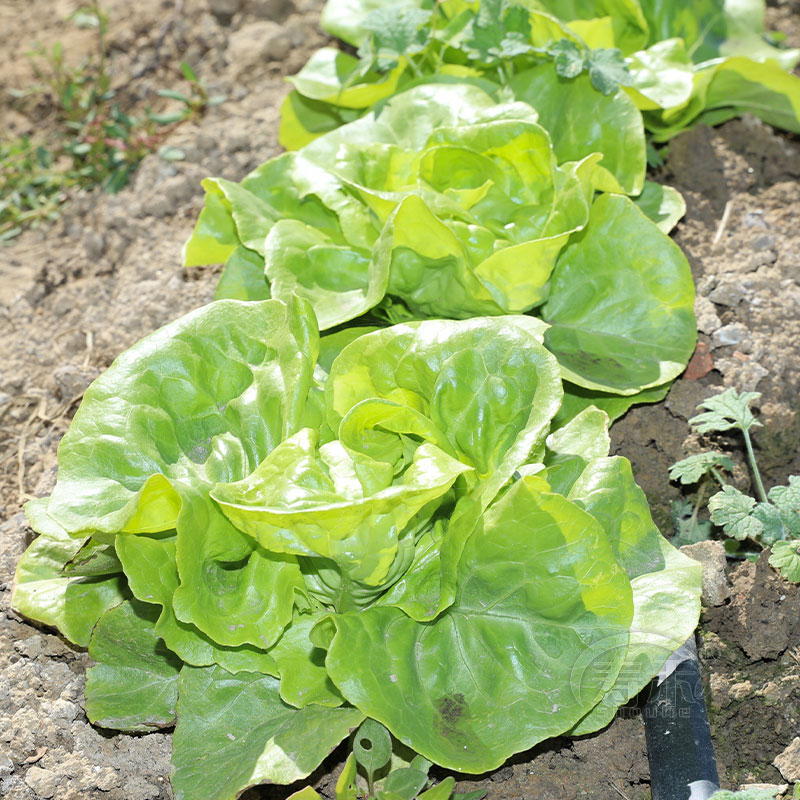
x=682, y=765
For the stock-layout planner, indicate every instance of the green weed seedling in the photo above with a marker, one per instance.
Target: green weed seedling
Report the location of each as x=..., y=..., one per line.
x=372, y=753
x=771, y=520
x=745, y=794
x=94, y=142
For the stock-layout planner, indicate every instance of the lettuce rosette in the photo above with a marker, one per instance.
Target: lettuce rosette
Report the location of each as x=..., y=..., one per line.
x=445, y=204
x=679, y=65
x=264, y=536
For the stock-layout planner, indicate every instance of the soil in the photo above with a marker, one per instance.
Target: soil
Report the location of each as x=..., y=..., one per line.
x=72, y=297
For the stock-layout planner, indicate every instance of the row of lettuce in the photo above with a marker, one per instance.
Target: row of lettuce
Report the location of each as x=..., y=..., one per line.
x=265, y=534
x=679, y=63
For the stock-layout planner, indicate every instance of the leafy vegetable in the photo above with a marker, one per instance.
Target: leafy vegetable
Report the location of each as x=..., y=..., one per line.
x=315, y=531
x=447, y=204
x=681, y=67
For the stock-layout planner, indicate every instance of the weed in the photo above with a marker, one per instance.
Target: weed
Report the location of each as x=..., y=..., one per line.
x=94, y=142
x=772, y=520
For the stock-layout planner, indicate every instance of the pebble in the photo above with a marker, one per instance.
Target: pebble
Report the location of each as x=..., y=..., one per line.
x=502, y=775
x=71, y=380
x=788, y=762
x=257, y=43
x=270, y=9
x=179, y=189
x=106, y=780
x=223, y=10
x=729, y=335
x=30, y=647
x=762, y=259
x=94, y=245
x=61, y=710
x=765, y=241
x=42, y=781
x=754, y=219
x=726, y=294
x=707, y=319
x=6, y=765
x=715, y=581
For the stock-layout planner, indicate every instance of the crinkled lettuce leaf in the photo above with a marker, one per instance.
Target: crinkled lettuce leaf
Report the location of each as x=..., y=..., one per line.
x=618, y=322
x=445, y=203
x=488, y=679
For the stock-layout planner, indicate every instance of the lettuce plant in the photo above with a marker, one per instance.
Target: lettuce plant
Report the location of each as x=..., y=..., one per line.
x=264, y=536
x=446, y=204
x=679, y=67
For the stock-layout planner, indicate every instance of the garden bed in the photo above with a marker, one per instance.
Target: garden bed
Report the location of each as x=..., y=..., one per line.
x=108, y=272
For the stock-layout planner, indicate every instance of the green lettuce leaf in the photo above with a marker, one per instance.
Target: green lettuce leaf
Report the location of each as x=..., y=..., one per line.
x=662, y=204
x=714, y=28
x=234, y=731
x=581, y=120
x=666, y=584
x=621, y=314
x=513, y=660
x=45, y=593
x=152, y=573
x=628, y=23
x=275, y=515
x=334, y=76
x=134, y=684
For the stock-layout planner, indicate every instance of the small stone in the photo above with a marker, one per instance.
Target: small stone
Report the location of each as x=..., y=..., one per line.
x=61, y=710
x=223, y=10
x=6, y=765
x=106, y=780
x=30, y=647
x=42, y=781
x=700, y=364
x=726, y=294
x=762, y=259
x=729, y=335
x=715, y=582
x=156, y=206
x=62, y=305
x=765, y=241
x=270, y=9
x=741, y=690
x=255, y=44
x=788, y=762
x=178, y=189
x=754, y=219
x=502, y=775
x=13, y=788
x=71, y=381
x=94, y=245
x=707, y=319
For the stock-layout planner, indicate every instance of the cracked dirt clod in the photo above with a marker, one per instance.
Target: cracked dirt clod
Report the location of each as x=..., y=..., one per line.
x=715, y=582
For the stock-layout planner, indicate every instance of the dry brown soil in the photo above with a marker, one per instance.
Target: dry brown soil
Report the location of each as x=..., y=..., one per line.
x=74, y=296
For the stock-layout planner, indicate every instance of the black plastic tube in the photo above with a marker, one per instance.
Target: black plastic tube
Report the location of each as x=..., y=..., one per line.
x=679, y=749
